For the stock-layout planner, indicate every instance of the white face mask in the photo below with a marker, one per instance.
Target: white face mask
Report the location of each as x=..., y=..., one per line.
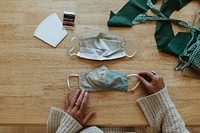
x=102, y=47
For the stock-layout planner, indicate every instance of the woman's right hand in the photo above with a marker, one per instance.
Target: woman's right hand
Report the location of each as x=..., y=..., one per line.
x=151, y=80
x=76, y=108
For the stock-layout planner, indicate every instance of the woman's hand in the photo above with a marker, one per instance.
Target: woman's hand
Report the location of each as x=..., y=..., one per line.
x=77, y=106
x=151, y=80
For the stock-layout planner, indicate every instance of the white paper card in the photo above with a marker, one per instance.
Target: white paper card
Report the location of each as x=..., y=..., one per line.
x=51, y=30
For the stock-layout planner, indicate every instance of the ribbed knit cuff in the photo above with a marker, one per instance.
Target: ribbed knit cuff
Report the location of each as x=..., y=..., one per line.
x=61, y=122
x=92, y=129
x=161, y=113
x=155, y=105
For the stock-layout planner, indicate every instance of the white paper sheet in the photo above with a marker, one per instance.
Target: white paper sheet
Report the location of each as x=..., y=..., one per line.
x=51, y=30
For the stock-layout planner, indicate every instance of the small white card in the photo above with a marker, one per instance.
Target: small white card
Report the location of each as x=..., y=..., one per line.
x=51, y=30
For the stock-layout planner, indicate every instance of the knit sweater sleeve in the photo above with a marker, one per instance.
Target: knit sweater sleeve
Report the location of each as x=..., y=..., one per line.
x=61, y=122
x=161, y=113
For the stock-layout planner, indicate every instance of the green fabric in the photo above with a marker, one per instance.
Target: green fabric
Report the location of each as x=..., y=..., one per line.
x=126, y=15
x=186, y=45
x=164, y=32
x=191, y=54
x=166, y=41
x=164, y=35
x=178, y=43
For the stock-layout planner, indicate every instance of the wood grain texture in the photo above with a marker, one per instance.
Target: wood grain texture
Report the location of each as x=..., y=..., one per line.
x=33, y=74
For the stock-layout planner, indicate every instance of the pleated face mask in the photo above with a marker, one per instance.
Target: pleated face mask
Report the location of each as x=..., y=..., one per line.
x=101, y=47
x=102, y=79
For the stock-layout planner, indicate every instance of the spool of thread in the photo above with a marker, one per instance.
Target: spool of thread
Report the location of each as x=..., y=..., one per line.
x=69, y=20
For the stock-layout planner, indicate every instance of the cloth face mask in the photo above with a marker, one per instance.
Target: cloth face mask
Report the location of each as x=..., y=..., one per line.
x=51, y=30
x=102, y=79
x=190, y=56
x=101, y=47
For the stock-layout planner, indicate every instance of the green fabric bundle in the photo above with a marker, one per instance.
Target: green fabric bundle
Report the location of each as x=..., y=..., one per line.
x=191, y=54
x=184, y=44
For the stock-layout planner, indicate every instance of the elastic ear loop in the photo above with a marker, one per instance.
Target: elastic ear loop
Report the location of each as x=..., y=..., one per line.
x=68, y=83
x=130, y=56
x=72, y=54
x=129, y=75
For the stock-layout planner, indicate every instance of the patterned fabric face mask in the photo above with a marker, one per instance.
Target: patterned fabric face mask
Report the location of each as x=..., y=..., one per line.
x=191, y=55
x=102, y=79
x=101, y=47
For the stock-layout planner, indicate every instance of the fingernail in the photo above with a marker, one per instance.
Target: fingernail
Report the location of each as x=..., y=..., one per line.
x=94, y=112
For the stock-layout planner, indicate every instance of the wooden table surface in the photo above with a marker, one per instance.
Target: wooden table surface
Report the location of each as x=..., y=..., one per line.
x=33, y=74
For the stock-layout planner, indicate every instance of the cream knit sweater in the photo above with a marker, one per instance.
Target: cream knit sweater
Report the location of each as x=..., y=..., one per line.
x=158, y=109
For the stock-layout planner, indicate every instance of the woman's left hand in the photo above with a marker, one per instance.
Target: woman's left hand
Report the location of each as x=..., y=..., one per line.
x=76, y=108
